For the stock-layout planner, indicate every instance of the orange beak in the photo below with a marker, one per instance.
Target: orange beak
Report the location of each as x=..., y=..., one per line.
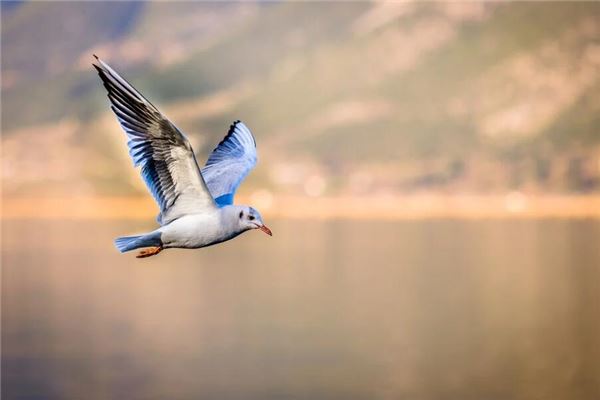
x=266, y=230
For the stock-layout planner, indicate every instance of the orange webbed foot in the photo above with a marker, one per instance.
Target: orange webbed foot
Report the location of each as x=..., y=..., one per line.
x=149, y=252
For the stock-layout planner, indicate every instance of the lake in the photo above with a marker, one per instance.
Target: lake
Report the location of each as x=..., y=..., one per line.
x=435, y=309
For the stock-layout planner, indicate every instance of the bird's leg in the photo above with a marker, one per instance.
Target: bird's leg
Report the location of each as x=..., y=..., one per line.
x=150, y=251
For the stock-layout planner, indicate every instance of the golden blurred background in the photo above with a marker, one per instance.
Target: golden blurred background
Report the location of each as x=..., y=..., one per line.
x=430, y=171
x=399, y=109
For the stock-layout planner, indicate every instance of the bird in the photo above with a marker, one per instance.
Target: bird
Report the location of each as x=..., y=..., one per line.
x=196, y=204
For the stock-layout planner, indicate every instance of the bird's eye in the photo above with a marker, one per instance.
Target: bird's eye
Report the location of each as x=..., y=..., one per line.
x=251, y=217
x=241, y=214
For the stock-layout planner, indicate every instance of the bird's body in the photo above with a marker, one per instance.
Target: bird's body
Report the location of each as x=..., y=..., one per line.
x=201, y=230
x=196, y=205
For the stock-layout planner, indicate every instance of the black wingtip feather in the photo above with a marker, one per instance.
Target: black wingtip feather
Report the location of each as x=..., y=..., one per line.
x=229, y=132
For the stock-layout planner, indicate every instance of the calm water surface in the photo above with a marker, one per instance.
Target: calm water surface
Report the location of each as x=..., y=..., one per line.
x=323, y=310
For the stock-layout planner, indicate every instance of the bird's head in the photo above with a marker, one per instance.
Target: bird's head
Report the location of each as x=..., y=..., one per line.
x=249, y=218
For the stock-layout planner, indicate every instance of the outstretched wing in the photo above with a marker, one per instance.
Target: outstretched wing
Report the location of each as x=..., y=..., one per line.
x=167, y=160
x=229, y=163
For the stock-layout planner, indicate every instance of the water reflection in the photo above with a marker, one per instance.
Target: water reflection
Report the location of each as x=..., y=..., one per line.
x=339, y=309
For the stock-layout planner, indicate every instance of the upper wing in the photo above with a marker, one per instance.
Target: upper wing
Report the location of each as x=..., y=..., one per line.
x=168, y=163
x=229, y=163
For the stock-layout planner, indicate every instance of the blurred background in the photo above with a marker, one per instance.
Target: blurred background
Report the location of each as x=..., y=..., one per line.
x=431, y=172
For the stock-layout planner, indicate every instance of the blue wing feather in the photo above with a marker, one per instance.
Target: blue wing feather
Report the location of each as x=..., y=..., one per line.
x=229, y=163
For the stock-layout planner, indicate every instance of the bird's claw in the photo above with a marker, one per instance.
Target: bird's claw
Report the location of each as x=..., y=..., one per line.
x=151, y=251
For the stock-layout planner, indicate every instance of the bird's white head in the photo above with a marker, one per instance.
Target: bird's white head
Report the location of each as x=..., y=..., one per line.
x=249, y=218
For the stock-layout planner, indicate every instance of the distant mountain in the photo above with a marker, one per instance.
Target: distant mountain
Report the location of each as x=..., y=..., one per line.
x=387, y=96
x=41, y=40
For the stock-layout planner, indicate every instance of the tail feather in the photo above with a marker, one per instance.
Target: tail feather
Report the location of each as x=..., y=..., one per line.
x=128, y=243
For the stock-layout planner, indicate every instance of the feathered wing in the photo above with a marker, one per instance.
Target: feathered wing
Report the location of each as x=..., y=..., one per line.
x=167, y=160
x=229, y=163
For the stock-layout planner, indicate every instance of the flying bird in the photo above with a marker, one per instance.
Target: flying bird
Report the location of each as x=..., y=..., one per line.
x=196, y=205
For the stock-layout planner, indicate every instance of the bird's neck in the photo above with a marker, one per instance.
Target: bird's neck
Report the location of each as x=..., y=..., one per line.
x=230, y=217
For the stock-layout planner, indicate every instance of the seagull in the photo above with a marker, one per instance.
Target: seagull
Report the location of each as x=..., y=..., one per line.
x=196, y=205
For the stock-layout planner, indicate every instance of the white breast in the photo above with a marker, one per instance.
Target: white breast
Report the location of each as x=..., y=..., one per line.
x=193, y=231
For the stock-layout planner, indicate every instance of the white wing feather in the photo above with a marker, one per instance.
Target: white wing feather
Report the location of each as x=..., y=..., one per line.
x=167, y=160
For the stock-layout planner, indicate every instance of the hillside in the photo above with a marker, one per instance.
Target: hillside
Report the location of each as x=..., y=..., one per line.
x=343, y=97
